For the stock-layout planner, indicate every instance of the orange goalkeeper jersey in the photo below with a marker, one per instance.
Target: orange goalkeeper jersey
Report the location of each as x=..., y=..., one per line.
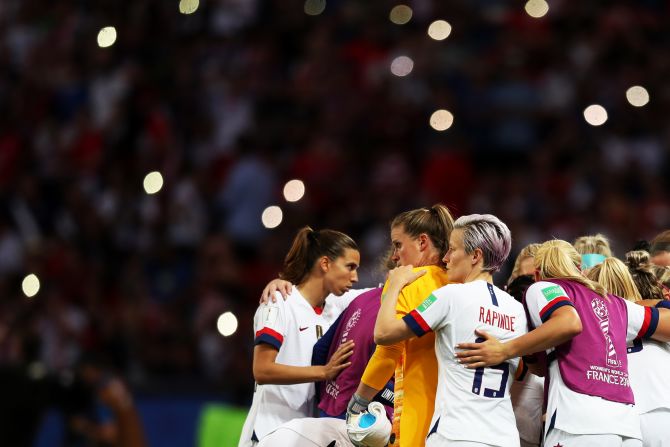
x=415, y=366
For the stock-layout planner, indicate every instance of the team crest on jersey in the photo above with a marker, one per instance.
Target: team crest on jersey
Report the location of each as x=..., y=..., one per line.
x=269, y=315
x=600, y=310
x=427, y=303
x=552, y=292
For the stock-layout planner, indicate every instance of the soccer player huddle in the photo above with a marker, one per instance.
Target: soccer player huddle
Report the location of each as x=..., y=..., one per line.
x=573, y=351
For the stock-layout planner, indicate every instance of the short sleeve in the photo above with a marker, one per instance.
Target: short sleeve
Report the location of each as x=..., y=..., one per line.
x=431, y=315
x=542, y=300
x=270, y=323
x=642, y=321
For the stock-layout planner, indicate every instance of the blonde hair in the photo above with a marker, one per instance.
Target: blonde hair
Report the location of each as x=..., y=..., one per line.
x=593, y=244
x=558, y=259
x=526, y=252
x=615, y=277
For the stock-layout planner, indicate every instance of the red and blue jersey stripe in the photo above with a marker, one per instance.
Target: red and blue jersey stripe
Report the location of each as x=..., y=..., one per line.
x=416, y=323
x=649, y=324
x=269, y=336
x=554, y=304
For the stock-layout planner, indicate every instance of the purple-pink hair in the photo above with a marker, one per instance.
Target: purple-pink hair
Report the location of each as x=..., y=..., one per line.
x=489, y=234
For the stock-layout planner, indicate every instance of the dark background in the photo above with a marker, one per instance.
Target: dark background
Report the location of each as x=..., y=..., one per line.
x=232, y=101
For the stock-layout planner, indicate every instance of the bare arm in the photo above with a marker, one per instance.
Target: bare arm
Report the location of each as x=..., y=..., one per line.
x=388, y=329
x=563, y=325
x=648, y=303
x=267, y=371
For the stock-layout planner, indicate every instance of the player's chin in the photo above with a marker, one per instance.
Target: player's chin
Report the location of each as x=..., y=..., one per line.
x=343, y=290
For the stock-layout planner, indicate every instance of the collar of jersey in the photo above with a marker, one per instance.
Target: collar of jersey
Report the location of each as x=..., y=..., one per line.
x=303, y=301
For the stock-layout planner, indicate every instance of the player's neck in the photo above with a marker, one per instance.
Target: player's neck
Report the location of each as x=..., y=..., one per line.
x=314, y=292
x=430, y=257
x=476, y=274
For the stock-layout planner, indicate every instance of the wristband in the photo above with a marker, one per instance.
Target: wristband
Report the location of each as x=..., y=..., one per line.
x=665, y=304
x=357, y=404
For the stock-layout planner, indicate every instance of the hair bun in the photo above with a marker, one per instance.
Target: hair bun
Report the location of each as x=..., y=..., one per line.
x=637, y=259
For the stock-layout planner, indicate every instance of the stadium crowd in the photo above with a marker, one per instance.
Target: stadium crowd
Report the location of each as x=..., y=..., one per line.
x=230, y=102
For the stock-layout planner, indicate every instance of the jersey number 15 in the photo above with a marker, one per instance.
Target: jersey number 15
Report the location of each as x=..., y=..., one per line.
x=479, y=376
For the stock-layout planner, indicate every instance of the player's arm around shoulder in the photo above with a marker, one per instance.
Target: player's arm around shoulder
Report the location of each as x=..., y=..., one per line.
x=267, y=371
x=558, y=323
x=649, y=319
x=388, y=328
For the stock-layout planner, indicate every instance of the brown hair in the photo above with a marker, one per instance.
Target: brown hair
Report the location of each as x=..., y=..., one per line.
x=660, y=243
x=435, y=221
x=310, y=245
x=643, y=274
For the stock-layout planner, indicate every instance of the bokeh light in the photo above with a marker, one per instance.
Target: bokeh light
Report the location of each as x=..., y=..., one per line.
x=37, y=370
x=294, y=190
x=595, y=115
x=439, y=30
x=153, y=182
x=637, y=96
x=106, y=37
x=314, y=7
x=402, y=66
x=272, y=217
x=536, y=8
x=400, y=14
x=30, y=285
x=226, y=324
x=188, y=6
x=441, y=120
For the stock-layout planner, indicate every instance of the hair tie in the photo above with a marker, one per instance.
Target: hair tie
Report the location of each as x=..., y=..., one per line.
x=591, y=259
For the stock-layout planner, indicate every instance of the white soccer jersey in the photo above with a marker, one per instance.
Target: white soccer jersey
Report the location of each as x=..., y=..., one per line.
x=574, y=412
x=335, y=305
x=309, y=432
x=648, y=366
x=471, y=405
x=292, y=326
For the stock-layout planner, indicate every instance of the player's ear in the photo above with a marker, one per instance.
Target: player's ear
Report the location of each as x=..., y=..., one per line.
x=324, y=264
x=424, y=241
x=477, y=254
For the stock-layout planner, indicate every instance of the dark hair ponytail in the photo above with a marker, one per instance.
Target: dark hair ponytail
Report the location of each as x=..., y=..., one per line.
x=310, y=245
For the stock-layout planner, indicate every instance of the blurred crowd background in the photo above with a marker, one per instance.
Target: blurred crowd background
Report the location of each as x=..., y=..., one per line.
x=232, y=101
